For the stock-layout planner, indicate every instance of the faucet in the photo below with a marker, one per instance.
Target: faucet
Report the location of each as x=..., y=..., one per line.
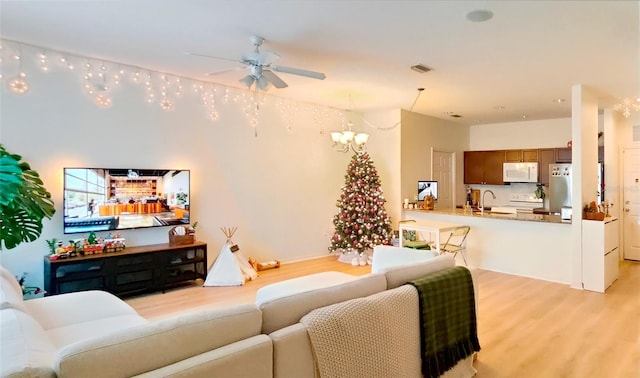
x=485, y=192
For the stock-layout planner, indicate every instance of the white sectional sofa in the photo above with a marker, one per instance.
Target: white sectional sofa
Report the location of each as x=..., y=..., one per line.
x=96, y=334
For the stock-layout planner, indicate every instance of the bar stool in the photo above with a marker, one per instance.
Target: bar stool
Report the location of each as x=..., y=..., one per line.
x=456, y=242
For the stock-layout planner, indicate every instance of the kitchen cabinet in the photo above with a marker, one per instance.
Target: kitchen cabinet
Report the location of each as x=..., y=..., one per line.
x=483, y=167
x=563, y=155
x=600, y=253
x=546, y=156
x=519, y=156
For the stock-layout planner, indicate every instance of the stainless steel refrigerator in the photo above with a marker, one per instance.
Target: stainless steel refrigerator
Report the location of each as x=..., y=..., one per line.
x=559, y=187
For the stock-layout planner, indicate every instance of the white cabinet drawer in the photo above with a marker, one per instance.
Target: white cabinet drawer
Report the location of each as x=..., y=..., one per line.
x=611, y=235
x=611, y=267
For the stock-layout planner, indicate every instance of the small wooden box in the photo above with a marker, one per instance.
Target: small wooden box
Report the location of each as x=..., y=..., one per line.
x=175, y=239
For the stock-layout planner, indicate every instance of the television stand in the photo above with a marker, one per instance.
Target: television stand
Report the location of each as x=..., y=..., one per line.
x=132, y=271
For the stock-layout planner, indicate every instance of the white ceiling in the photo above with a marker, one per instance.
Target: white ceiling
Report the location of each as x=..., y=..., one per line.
x=529, y=54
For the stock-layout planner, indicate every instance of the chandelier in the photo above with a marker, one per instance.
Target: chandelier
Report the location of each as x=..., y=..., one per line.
x=347, y=139
x=627, y=105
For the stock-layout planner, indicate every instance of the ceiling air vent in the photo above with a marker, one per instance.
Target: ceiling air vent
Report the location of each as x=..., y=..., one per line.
x=420, y=68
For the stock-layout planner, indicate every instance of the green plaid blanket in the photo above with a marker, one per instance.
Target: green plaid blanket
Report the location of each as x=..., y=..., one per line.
x=448, y=318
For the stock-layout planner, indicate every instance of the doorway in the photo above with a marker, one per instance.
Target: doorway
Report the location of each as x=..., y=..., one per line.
x=631, y=204
x=442, y=170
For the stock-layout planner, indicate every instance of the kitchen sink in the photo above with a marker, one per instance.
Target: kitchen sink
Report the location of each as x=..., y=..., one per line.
x=503, y=210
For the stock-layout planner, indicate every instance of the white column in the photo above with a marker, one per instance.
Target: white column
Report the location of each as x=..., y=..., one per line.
x=584, y=156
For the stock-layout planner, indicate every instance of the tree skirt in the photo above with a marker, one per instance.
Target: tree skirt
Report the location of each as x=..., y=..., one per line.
x=347, y=257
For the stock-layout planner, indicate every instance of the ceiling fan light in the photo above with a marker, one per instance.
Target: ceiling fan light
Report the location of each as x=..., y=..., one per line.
x=247, y=80
x=263, y=83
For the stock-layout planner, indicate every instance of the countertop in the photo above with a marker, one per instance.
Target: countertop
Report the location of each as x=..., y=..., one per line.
x=527, y=217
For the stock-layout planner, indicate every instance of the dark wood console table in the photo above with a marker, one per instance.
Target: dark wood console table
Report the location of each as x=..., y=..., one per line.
x=132, y=271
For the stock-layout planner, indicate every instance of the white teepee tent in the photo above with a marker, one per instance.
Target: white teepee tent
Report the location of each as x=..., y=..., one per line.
x=230, y=268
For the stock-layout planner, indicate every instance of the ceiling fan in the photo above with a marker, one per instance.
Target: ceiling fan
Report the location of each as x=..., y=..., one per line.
x=260, y=64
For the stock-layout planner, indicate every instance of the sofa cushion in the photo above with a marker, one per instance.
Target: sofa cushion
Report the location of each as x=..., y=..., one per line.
x=26, y=349
x=11, y=294
x=285, y=311
x=73, y=308
x=252, y=357
x=386, y=256
x=292, y=352
x=7, y=275
x=69, y=334
x=147, y=347
x=401, y=274
x=301, y=284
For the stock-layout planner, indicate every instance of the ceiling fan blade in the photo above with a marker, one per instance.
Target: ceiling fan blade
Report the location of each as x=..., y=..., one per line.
x=274, y=79
x=225, y=71
x=261, y=58
x=298, y=71
x=215, y=57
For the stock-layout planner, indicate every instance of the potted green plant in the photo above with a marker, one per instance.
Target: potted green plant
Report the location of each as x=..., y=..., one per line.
x=24, y=201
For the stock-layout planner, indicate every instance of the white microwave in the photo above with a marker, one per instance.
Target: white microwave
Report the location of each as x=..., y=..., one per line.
x=520, y=172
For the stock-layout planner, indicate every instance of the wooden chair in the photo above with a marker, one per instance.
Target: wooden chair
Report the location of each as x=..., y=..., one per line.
x=456, y=242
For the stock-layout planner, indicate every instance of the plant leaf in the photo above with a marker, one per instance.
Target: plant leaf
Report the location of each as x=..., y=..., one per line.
x=10, y=179
x=24, y=201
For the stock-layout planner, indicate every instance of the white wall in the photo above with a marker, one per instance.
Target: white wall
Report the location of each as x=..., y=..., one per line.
x=279, y=187
x=421, y=133
x=548, y=133
x=385, y=151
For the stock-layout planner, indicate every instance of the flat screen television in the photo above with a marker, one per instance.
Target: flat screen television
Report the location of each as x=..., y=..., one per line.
x=113, y=199
x=427, y=187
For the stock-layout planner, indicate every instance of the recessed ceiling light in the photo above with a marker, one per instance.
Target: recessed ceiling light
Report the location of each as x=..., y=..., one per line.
x=559, y=100
x=524, y=116
x=480, y=15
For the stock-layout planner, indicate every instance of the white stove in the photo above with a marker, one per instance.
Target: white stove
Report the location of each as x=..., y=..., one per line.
x=519, y=203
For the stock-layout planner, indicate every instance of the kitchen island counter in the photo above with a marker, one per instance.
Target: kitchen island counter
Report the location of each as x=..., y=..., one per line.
x=530, y=245
x=527, y=217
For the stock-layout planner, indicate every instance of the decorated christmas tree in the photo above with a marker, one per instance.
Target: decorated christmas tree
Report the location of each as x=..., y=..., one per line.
x=361, y=221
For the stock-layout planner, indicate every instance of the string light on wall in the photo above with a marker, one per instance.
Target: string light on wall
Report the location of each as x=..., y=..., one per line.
x=43, y=61
x=19, y=84
x=99, y=78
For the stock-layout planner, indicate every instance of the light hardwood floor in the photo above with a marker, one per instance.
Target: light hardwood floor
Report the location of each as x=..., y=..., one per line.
x=526, y=327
